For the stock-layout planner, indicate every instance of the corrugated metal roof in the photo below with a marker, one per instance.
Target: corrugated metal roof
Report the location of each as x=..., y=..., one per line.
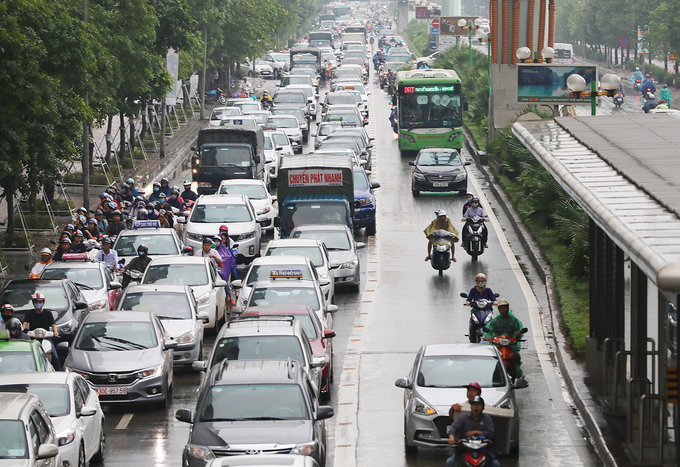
x=611, y=167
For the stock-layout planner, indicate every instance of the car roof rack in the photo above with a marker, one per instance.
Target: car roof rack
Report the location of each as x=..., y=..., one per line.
x=251, y=319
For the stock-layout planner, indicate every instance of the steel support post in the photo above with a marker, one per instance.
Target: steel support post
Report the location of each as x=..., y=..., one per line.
x=608, y=296
x=638, y=320
x=620, y=295
x=593, y=271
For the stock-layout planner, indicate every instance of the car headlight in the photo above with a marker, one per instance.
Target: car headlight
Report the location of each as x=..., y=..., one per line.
x=264, y=210
x=155, y=371
x=408, y=137
x=305, y=449
x=68, y=369
x=199, y=452
x=66, y=327
x=203, y=299
x=418, y=175
x=421, y=408
x=461, y=176
x=349, y=264
x=365, y=201
x=269, y=160
x=66, y=437
x=246, y=236
x=453, y=136
x=98, y=305
x=186, y=338
x=193, y=236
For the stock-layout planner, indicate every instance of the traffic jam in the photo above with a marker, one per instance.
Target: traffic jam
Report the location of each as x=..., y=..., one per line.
x=231, y=284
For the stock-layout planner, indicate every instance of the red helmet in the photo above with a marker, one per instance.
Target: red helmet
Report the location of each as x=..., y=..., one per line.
x=224, y=227
x=38, y=296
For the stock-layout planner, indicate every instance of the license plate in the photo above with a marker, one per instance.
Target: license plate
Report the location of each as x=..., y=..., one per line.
x=205, y=184
x=112, y=391
x=440, y=184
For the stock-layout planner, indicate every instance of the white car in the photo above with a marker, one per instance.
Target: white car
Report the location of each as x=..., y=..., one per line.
x=260, y=116
x=238, y=120
x=261, y=268
x=73, y=407
x=323, y=130
x=261, y=199
x=175, y=306
x=198, y=273
x=429, y=60
x=291, y=127
x=234, y=211
x=345, y=86
x=313, y=249
x=244, y=103
x=278, y=62
x=262, y=68
x=272, y=157
x=218, y=113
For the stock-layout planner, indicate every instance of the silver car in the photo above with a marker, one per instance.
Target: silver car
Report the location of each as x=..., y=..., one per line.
x=438, y=379
x=341, y=247
x=126, y=355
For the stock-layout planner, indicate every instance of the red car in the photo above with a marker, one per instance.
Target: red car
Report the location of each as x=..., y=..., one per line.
x=320, y=337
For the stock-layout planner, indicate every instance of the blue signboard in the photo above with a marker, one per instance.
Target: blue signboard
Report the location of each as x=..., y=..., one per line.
x=433, y=44
x=434, y=31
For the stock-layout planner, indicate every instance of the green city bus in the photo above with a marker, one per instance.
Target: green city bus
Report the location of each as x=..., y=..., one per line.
x=430, y=106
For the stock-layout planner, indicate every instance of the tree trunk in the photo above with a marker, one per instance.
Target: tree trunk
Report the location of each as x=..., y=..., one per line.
x=32, y=179
x=132, y=135
x=109, y=139
x=665, y=64
x=121, y=149
x=144, y=123
x=616, y=55
x=9, y=197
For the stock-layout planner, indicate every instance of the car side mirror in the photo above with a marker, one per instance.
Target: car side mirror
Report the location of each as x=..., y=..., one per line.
x=324, y=412
x=403, y=383
x=360, y=245
x=184, y=415
x=199, y=365
x=279, y=148
x=277, y=222
x=332, y=308
x=237, y=284
x=318, y=362
x=463, y=294
x=221, y=283
x=181, y=220
x=47, y=451
x=468, y=163
x=115, y=285
x=375, y=185
x=328, y=334
x=187, y=250
x=203, y=316
x=465, y=104
x=81, y=305
x=274, y=199
x=87, y=411
x=411, y=162
x=169, y=344
x=521, y=383
x=313, y=135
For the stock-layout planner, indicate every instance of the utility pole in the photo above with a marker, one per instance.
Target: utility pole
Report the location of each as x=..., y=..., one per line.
x=205, y=59
x=86, y=142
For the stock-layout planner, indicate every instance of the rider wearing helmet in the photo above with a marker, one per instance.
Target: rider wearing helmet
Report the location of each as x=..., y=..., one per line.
x=15, y=329
x=138, y=263
x=165, y=187
x=188, y=194
x=506, y=324
x=637, y=75
x=131, y=184
x=175, y=200
x=39, y=318
x=45, y=259
x=441, y=222
x=154, y=196
x=480, y=291
x=116, y=225
x=468, y=198
x=475, y=210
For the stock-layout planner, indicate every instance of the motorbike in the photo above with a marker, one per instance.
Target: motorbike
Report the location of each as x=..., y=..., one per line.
x=637, y=84
x=473, y=451
x=480, y=315
x=391, y=89
x=267, y=104
x=442, y=240
x=618, y=99
x=130, y=275
x=42, y=335
x=382, y=79
x=216, y=95
x=504, y=344
x=474, y=244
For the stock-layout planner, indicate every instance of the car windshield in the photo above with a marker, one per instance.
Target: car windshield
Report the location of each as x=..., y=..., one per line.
x=360, y=182
x=54, y=397
x=17, y=362
x=345, y=136
x=326, y=129
x=91, y=277
x=284, y=296
x=311, y=252
x=346, y=118
x=226, y=156
x=355, y=53
x=401, y=58
x=126, y=245
x=297, y=113
x=165, y=305
x=280, y=57
x=309, y=92
x=219, y=114
x=246, y=106
x=340, y=98
x=20, y=296
x=258, y=348
x=290, y=98
x=261, y=272
x=281, y=139
x=283, y=122
x=251, y=191
x=220, y=213
x=334, y=240
x=458, y=371
x=296, y=79
x=305, y=321
x=260, y=119
x=116, y=336
x=439, y=158
x=330, y=144
x=13, y=440
x=255, y=402
x=176, y=274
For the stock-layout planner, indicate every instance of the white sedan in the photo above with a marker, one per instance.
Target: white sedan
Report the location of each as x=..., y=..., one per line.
x=73, y=407
x=256, y=191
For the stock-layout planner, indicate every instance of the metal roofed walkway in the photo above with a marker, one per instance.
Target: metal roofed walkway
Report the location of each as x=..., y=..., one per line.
x=624, y=171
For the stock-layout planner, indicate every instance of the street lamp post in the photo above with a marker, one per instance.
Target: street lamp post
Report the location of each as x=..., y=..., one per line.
x=469, y=25
x=577, y=86
x=482, y=36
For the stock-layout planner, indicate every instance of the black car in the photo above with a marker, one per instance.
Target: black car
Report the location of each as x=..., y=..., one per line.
x=62, y=298
x=439, y=169
x=255, y=406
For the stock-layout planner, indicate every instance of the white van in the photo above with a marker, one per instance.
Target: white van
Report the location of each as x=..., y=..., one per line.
x=564, y=53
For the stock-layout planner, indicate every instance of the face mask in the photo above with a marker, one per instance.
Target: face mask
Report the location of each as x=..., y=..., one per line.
x=156, y=188
x=39, y=305
x=174, y=196
x=44, y=259
x=140, y=253
x=6, y=318
x=481, y=284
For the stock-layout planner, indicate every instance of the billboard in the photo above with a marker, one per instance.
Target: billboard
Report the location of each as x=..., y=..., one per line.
x=547, y=83
x=422, y=12
x=448, y=25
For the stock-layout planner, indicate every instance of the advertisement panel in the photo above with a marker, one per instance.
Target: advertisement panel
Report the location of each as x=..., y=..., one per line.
x=448, y=25
x=423, y=13
x=315, y=178
x=547, y=83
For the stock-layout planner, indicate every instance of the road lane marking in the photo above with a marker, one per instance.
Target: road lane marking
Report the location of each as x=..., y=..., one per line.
x=124, y=421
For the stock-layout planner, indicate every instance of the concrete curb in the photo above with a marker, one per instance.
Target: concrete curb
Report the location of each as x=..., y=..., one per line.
x=564, y=360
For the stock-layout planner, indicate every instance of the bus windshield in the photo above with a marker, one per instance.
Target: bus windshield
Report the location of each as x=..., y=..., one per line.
x=430, y=106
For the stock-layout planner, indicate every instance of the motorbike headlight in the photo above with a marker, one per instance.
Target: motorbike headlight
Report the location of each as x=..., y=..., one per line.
x=98, y=305
x=504, y=341
x=193, y=236
x=418, y=175
x=461, y=176
x=246, y=236
x=474, y=318
x=203, y=299
x=489, y=317
x=186, y=338
x=199, y=452
x=305, y=449
x=66, y=437
x=421, y=408
x=349, y=264
x=155, y=371
x=264, y=210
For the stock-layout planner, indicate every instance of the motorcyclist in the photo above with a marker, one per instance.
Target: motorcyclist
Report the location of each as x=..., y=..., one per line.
x=7, y=312
x=131, y=184
x=245, y=86
x=165, y=187
x=480, y=291
x=116, y=225
x=394, y=118
x=650, y=102
x=266, y=100
x=647, y=86
x=637, y=75
x=665, y=95
x=506, y=324
x=15, y=329
x=441, y=222
x=64, y=247
x=476, y=423
x=138, y=263
x=476, y=210
x=468, y=198
x=45, y=259
x=155, y=196
x=188, y=194
x=44, y=319
x=391, y=81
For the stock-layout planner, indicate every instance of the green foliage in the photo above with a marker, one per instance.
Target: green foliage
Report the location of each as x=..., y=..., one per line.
x=415, y=34
x=35, y=221
x=96, y=178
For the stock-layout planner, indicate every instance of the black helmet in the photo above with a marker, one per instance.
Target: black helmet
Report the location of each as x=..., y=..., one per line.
x=142, y=214
x=14, y=326
x=474, y=201
x=156, y=184
x=142, y=250
x=165, y=180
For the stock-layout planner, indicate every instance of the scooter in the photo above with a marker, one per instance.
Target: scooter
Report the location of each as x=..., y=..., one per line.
x=618, y=100
x=637, y=84
x=474, y=244
x=473, y=451
x=42, y=335
x=480, y=315
x=505, y=344
x=442, y=240
x=216, y=95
